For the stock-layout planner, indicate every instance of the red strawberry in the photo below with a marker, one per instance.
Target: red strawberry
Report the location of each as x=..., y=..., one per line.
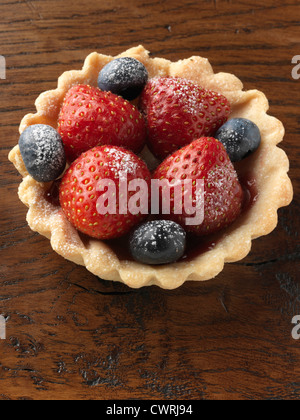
x=84, y=184
x=205, y=159
x=90, y=117
x=179, y=111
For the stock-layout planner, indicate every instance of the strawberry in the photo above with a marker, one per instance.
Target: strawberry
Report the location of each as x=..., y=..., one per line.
x=204, y=159
x=179, y=111
x=90, y=117
x=97, y=172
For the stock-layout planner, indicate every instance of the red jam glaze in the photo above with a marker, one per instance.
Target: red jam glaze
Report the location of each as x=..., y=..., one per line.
x=52, y=195
x=195, y=245
x=250, y=192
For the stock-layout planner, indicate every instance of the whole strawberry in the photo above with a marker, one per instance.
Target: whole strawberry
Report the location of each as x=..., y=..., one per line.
x=222, y=195
x=179, y=111
x=94, y=192
x=90, y=117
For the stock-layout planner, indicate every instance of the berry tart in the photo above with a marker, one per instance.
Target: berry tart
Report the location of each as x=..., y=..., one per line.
x=151, y=172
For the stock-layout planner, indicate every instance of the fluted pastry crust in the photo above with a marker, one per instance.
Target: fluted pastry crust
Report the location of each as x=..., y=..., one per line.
x=268, y=166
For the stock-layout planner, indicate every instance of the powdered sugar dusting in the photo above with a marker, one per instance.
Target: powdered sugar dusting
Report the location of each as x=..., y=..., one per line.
x=122, y=162
x=218, y=197
x=43, y=152
x=124, y=76
x=191, y=96
x=158, y=242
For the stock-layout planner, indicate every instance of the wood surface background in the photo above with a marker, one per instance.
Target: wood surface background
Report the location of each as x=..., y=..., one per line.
x=72, y=336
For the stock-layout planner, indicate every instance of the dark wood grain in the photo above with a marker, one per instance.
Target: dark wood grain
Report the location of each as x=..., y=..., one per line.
x=73, y=336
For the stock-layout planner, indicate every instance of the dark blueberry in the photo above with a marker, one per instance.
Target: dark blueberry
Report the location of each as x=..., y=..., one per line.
x=158, y=242
x=43, y=152
x=123, y=76
x=240, y=136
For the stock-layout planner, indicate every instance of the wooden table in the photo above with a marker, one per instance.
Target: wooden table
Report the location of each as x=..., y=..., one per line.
x=72, y=336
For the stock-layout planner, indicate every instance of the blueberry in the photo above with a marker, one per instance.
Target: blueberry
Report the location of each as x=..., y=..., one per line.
x=240, y=136
x=158, y=242
x=43, y=152
x=124, y=76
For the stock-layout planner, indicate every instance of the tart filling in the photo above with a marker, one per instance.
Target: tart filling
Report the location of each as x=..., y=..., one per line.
x=261, y=168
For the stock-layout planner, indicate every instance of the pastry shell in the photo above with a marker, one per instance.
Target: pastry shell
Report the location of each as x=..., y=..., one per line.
x=268, y=166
